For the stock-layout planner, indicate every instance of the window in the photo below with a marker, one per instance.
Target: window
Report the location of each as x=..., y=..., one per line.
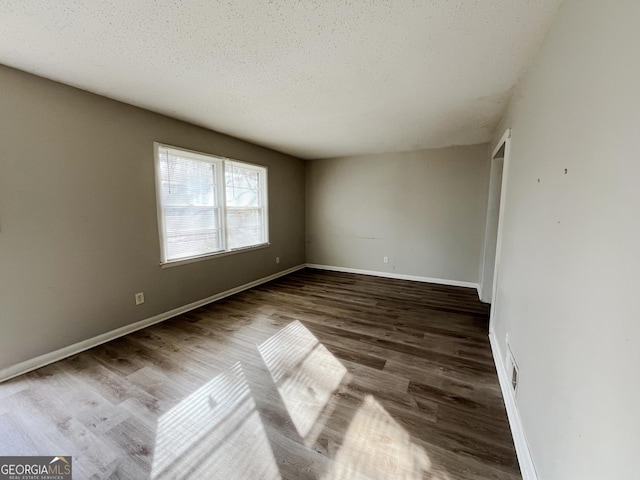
x=208, y=205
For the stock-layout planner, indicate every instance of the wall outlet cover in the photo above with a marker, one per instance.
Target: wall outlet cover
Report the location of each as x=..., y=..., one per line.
x=139, y=298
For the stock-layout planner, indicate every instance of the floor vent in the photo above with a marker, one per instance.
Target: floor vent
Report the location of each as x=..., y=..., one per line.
x=512, y=370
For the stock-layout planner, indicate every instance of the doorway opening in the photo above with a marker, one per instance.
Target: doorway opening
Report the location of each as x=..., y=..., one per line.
x=493, y=228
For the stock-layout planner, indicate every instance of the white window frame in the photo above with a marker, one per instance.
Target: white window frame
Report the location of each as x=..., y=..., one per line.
x=221, y=162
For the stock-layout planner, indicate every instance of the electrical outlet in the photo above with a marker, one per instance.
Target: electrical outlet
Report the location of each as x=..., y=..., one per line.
x=139, y=298
x=385, y=259
x=277, y=259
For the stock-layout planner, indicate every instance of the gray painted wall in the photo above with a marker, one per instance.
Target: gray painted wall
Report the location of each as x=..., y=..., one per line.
x=425, y=210
x=570, y=260
x=78, y=228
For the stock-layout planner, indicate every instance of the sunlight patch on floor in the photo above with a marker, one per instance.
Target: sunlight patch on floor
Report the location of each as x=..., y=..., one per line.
x=215, y=433
x=305, y=373
x=376, y=447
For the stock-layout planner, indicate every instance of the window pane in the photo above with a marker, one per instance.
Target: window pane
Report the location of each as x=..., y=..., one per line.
x=187, y=182
x=192, y=244
x=190, y=219
x=189, y=205
x=245, y=227
x=192, y=231
x=242, y=197
x=245, y=237
x=242, y=186
x=244, y=217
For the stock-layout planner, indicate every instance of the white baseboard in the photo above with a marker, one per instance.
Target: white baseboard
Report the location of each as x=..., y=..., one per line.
x=399, y=276
x=48, y=358
x=527, y=468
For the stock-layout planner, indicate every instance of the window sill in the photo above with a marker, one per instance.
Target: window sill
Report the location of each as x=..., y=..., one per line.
x=185, y=261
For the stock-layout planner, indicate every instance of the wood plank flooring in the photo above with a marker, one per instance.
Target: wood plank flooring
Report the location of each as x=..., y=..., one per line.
x=316, y=375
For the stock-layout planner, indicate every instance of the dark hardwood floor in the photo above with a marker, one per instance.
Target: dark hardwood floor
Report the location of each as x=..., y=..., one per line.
x=315, y=375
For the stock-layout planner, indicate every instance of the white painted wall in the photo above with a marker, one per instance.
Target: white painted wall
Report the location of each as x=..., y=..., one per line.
x=425, y=210
x=570, y=265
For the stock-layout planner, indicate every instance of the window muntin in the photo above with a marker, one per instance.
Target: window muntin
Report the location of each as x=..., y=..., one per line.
x=208, y=205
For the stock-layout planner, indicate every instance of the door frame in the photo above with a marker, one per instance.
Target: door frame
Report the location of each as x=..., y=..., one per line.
x=505, y=141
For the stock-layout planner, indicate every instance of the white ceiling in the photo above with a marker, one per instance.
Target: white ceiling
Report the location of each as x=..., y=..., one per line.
x=311, y=78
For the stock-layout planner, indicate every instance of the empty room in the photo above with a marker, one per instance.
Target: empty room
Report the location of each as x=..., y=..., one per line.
x=319, y=240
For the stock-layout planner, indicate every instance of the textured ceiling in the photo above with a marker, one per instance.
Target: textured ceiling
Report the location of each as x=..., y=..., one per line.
x=311, y=78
